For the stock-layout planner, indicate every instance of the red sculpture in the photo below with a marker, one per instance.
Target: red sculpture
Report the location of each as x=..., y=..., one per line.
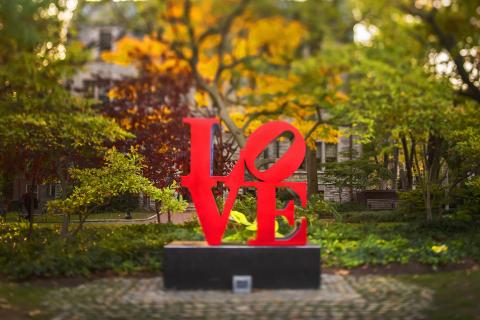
x=200, y=182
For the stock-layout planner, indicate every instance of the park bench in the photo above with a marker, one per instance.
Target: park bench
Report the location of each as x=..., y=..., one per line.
x=382, y=204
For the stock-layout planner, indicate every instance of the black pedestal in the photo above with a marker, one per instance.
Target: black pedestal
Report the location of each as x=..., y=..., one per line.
x=195, y=265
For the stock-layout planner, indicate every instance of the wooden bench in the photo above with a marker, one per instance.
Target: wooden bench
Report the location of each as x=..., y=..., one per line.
x=382, y=204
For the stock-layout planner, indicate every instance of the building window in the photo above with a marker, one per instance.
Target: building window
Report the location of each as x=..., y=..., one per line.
x=330, y=152
x=96, y=89
x=51, y=190
x=29, y=188
x=105, y=40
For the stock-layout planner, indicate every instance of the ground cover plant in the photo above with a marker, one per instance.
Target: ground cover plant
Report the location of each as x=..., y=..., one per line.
x=127, y=249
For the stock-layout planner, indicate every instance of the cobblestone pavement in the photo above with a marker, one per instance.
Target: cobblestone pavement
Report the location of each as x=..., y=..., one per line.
x=341, y=297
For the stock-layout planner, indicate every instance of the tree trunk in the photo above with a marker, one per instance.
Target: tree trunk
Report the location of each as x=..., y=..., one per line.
x=169, y=216
x=428, y=198
x=80, y=217
x=222, y=112
x=408, y=154
x=312, y=176
x=350, y=156
x=65, y=224
x=447, y=192
x=31, y=207
x=385, y=165
x=157, y=211
x=64, y=185
x=395, y=168
x=427, y=184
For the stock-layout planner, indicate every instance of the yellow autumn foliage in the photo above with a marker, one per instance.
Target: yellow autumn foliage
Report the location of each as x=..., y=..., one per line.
x=273, y=40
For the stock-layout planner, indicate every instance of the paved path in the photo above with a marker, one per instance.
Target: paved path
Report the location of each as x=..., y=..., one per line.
x=341, y=297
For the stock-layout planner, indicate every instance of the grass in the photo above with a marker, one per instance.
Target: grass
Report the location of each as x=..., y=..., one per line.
x=457, y=294
x=22, y=300
x=48, y=218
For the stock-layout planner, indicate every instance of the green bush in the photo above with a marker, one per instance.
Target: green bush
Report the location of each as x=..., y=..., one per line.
x=378, y=216
x=413, y=201
x=119, y=249
x=467, y=199
x=317, y=208
x=123, y=203
x=139, y=248
x=352, y=245
x=247, y=204
x=351, y=206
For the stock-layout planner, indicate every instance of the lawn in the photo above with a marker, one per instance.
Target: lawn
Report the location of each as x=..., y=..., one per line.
x=457, y=294
x=23, y=300
x=50, y=218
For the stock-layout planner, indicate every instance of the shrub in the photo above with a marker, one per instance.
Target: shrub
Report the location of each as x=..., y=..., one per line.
x=413, y=201
x=351, y=206
x=246, y=204
x=120, y=249
x=139, y=248
x=467, y=199
x=318, y=208
x=378, y=216
x=352, y=245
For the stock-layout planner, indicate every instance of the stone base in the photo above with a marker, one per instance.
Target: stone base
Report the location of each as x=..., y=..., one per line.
x=195, y=265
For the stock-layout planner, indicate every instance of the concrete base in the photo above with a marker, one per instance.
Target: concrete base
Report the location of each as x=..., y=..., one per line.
x=195, y=265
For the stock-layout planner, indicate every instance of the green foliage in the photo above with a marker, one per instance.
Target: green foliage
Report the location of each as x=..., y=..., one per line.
x=246, y=204
x=359, y=174
x=468, y=199
x=352, y=245
x=351, y=206
x=125, y=202
x=318, y=208
x=121, y=174
x=245, y=230
x=245, y=210
x=377, y=216
x=123, y=249
x=134, y=248
x=413, y=201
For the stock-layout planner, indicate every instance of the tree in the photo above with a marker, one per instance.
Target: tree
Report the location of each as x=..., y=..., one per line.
x=121, y=174
x=447, y=32
x=243, y=69
x=152, y=107
x=410, y=110
x=43, y=128
x=460, y=43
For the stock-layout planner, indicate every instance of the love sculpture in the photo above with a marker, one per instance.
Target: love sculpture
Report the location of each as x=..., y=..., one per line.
x=200, y=182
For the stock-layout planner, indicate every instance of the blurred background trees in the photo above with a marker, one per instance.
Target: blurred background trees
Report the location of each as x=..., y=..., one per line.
x=399, y=78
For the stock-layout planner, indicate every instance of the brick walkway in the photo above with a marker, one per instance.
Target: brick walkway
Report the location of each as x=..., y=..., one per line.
x=341, y=297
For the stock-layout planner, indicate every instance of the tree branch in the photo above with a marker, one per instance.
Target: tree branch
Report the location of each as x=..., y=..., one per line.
x=319, y=122
x=255, y=115
x=224, y=31
x=448, y=42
